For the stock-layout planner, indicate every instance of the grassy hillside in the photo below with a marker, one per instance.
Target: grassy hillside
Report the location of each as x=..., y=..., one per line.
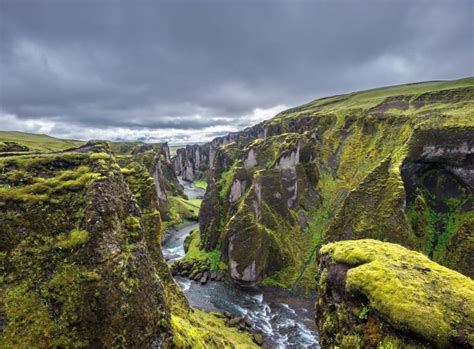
x=368, y=99
x=36, y=142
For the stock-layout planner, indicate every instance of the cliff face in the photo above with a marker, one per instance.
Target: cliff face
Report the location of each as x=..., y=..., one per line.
x=195, y=161
x=149, y=171
x=77, y=271
x=258, y=205
x=81, y=262
x=392, y=164
x=381, y=295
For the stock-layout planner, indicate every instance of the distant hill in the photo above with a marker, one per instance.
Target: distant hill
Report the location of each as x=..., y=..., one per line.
x=34, y=142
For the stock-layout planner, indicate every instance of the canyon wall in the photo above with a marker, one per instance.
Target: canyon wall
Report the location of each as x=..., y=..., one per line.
x=393, y=164
x=76, y=268
x=81, y=261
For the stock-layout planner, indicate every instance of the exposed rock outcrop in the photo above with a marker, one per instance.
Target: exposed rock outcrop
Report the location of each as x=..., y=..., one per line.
x=381, y=295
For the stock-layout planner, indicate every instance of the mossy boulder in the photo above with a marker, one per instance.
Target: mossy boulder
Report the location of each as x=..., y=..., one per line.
x=379, y=294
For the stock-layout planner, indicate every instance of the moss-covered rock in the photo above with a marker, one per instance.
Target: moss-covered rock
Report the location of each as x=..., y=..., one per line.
x=255, y=198
x=77, y=271
x=81, y=263
x=378, y=294
x=207, y=330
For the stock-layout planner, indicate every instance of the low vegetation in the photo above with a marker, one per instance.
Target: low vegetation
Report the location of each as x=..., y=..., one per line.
x=39, y=143
x=404, y=290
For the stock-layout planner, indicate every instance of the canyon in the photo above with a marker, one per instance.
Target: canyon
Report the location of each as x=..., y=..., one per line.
x=359, y=206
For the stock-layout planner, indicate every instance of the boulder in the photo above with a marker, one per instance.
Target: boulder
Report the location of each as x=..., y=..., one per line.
x=204, y=278
x=374, y=294
x=257, y=338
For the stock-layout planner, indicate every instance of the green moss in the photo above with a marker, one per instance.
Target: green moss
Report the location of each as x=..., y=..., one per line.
x=127, y=171
x=200, y=184
x=351, y=341
x=27, y=184
x=99, y=156
x=196, y=254
x=182, y=210
x=207, y=330
x=412, y=292
x=74, y=239
x=439, y=220
x=30, y=324
x=270, y=282
x=226, y=180
x=364, y=312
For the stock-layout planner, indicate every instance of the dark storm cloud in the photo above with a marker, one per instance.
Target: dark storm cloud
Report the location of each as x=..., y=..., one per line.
x=190, y=65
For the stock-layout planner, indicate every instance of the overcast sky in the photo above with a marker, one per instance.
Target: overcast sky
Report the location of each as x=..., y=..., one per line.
x=187, y=71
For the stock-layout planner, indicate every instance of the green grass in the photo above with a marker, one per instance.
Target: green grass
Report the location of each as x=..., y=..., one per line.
x=37, y=142
x=200, y=329
x=370, y=98
x=183, y=210
x=196, y=253
x=226, y=180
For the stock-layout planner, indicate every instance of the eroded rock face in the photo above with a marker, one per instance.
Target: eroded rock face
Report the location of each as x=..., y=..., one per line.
x=147, y=169
x=77, y=271
x=193, y=161
x=196, y=161
x=247, y=209
x=373, y=294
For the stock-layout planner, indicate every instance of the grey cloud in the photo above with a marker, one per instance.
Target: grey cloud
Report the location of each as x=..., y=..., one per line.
x=196, y=64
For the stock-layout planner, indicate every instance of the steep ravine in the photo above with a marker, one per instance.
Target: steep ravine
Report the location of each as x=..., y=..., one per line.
x=365, y=198
x=285, y=319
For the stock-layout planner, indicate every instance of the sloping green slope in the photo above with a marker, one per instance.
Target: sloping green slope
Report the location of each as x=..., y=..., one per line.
x=37, y=142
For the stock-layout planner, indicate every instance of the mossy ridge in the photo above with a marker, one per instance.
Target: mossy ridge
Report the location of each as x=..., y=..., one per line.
x=149, y=174
x=274, y=217
x=183, y=210
x=138, y=166
x=410, y=292
x=209, y=260
x=200, y=184
x=50, y=289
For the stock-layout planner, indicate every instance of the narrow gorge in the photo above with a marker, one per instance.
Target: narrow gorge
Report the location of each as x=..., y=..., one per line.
x=346, y=222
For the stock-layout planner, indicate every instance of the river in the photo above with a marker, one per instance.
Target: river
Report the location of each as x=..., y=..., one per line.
x=286, y=321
